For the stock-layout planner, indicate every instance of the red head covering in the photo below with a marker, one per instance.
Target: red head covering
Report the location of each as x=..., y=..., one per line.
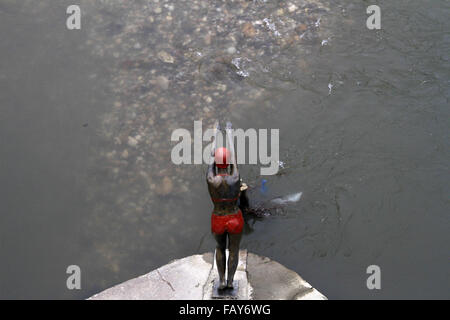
x=222, y=157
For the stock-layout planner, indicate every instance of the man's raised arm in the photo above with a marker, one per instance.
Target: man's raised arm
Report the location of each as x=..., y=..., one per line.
x=233, y=164
x=211, y=173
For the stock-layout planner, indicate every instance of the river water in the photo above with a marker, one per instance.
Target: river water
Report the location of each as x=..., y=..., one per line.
x=86, y=118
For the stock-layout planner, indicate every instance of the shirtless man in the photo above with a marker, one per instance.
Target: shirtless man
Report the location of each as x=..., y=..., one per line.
x=226, y=221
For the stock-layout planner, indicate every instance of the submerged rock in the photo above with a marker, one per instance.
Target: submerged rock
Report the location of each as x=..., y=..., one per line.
x=132, y=142
x=248, y=30
x=166, y=187
x=165, y=57
x=162, y=82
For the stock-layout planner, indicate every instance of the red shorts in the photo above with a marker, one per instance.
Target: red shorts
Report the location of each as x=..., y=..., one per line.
x=231, y=223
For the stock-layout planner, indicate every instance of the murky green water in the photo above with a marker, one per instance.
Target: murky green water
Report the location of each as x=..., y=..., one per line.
x=86, y=118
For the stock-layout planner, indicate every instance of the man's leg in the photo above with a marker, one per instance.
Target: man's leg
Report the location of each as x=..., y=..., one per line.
x=233, y=258
x=221, y=240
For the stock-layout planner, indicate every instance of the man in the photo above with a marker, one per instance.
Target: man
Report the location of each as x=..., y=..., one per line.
x=224, y=187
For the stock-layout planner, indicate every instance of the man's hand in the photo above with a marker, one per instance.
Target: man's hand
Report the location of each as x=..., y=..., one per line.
x=216, y=127
x=229, y=126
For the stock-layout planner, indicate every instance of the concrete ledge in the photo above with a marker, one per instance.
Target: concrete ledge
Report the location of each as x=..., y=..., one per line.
x=192, y=278
x=272, y=281
x=181, y=279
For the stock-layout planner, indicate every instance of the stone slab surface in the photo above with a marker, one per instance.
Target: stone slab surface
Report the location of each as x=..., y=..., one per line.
x=192, y=278
x=272, y=281
x=181, y=279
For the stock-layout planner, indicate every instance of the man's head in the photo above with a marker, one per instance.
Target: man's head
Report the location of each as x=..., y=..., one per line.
x=222, y=157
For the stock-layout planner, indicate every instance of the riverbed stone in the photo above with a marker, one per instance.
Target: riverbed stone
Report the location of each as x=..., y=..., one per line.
x=166, y=186
x=165, y=57
x=248, y=30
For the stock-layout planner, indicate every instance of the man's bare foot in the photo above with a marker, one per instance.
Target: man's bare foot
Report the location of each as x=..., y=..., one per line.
x=222, y=285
